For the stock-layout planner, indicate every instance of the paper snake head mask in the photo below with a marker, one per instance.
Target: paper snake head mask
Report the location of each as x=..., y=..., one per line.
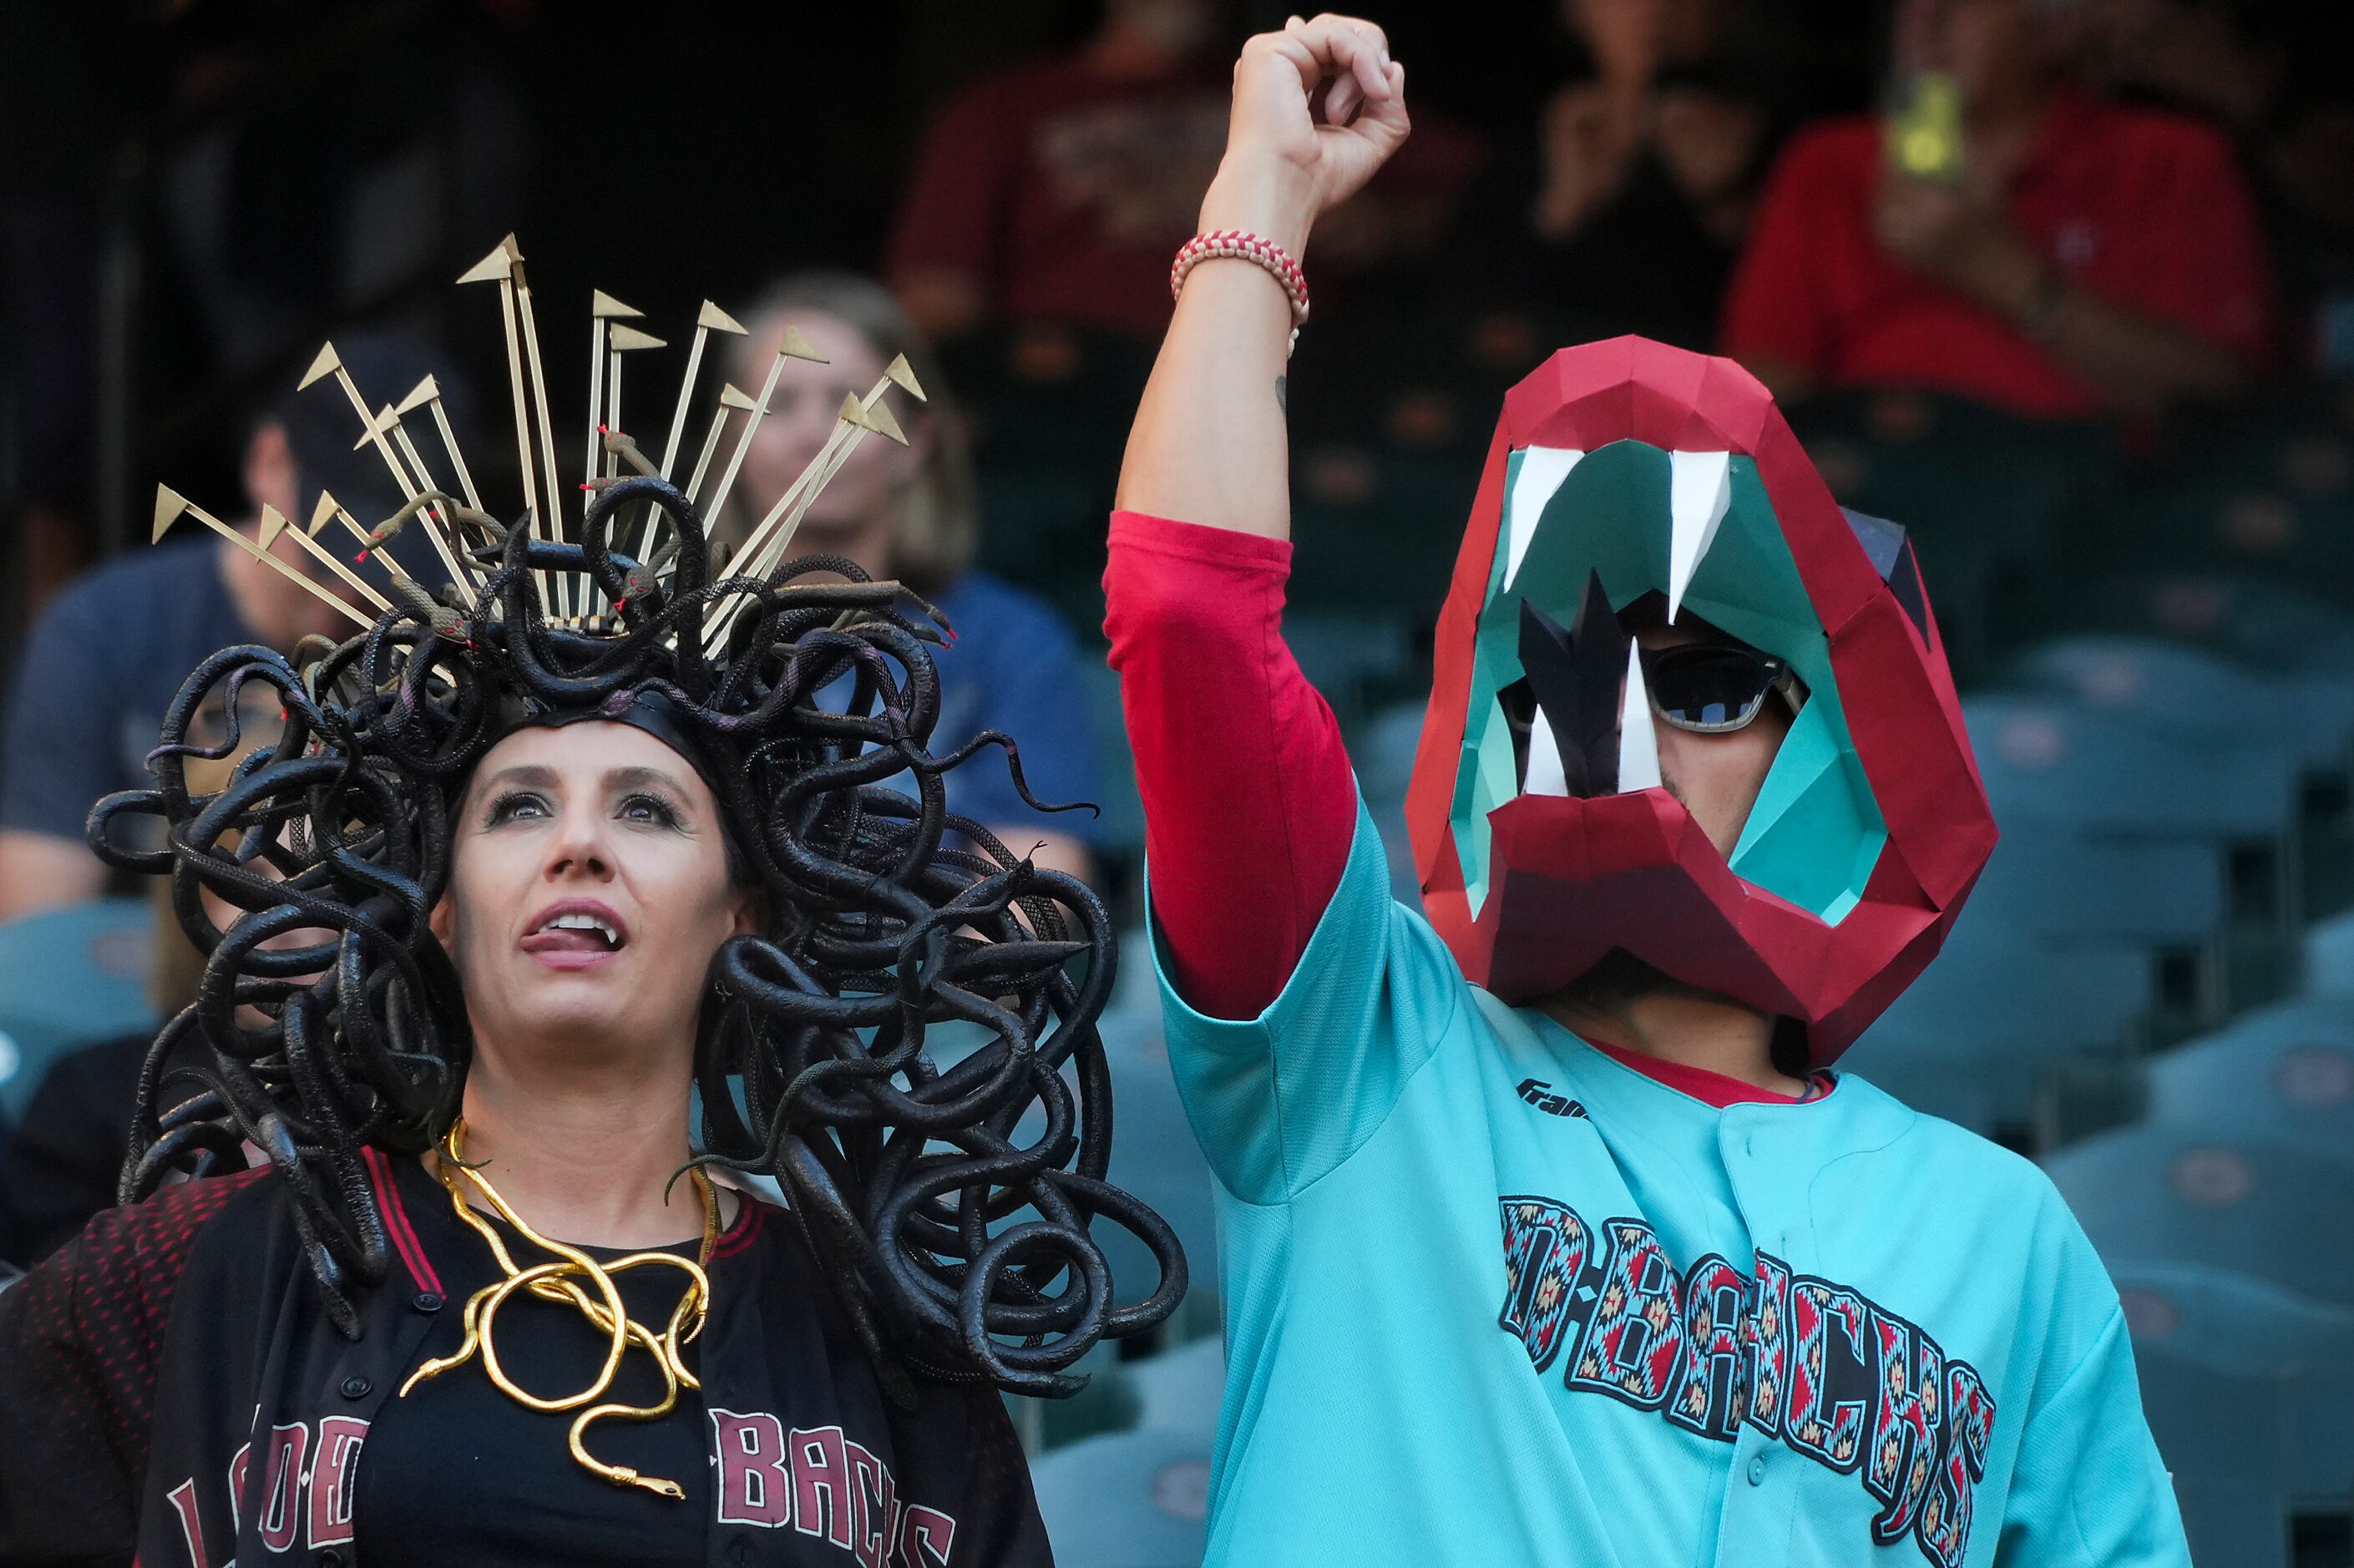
x=1623, y=469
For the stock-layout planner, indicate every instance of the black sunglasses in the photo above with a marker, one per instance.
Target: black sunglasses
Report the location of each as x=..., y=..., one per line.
x=1710, y=688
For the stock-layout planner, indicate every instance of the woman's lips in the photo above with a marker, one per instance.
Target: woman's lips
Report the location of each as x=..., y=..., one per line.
x=565, y=948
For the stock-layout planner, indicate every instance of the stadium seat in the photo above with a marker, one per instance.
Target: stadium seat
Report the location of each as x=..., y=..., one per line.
x=68, y=977
x=1154, y=1156
x=2250, y=1394
x=1973, y=1038
x=2168, y=1193
x=2056, y=764
x=1181, y=1390
x=2196, y=695
x=2285, y=1075
x=2064, y=765
x=1128, y=1499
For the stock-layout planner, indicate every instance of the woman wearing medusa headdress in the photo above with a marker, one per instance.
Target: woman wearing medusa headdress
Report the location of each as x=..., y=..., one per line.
x=552, y=923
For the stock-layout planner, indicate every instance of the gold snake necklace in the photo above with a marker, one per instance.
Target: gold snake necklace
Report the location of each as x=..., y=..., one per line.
x=560, y=1282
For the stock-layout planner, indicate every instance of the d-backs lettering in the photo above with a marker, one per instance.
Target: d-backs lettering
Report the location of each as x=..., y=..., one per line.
x=1805, y=1361
x=812, y=1478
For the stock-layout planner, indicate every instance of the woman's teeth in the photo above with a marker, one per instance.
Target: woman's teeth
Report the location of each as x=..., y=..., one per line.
x=585, y=923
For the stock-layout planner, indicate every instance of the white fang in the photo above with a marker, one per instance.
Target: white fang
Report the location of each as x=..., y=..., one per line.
x=1638, y=743
x=1541, y=472
x=1546, y=776
x=1700, y=489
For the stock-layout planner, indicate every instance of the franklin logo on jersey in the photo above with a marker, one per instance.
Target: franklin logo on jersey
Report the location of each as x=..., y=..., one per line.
x=1831, y=1375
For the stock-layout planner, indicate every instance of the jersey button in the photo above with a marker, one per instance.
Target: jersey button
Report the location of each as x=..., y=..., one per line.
x=330, y=1558
x=356, y=1387
x=426, y=1301
x=1756, y=1468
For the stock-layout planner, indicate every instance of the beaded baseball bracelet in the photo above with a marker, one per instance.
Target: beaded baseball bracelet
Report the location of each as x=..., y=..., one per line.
x=1247, y=246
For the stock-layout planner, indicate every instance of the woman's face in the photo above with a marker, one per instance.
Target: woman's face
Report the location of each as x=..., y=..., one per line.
x=864, y=494
x=588, y=891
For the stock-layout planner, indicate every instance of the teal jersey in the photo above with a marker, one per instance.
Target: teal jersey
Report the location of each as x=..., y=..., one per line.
x=1492, y=1297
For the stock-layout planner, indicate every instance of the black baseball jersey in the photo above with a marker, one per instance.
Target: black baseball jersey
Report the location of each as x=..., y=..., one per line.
x=172, y=1394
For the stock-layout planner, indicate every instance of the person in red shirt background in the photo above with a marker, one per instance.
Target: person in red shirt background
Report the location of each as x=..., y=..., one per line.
x=1058, y=190
x=2082, y=260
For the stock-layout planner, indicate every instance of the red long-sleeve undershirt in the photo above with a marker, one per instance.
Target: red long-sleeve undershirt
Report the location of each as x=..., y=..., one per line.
x=1249, y=806
x=1249, y=802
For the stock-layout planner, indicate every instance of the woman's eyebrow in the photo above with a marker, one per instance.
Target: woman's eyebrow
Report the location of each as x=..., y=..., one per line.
x=639, y=777
x=537, y=775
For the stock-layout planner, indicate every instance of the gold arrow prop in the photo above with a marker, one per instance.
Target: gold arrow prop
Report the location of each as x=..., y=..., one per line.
x=170, y=504
x=710, y=319
x=430, y=516
x=273, y=523
x=544, y=422
x=499, y=266
x=622, y=339
x=603, y=308
x=794, y=346
x=767, y=544
x=428, y=394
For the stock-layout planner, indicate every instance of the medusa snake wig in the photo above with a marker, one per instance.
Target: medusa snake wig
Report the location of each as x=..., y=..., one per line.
x=949, y=1201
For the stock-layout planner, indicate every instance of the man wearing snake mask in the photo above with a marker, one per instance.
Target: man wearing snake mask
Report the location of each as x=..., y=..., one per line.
x=1548, y=1232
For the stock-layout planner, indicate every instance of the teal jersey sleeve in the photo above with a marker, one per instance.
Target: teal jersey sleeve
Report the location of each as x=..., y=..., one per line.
x=2089, y=1490
x=1281, y=1100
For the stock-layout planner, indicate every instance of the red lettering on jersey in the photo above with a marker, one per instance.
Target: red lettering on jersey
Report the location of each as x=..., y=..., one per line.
x=239, y=1466
x=183, y=1499
x=872, y=1501
x=925, y=1537
x=282, y=1513
x=753, y=1486
x=821, y=1484
x=335, y=1473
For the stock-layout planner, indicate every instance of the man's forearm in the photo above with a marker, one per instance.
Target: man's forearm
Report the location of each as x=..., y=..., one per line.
x=1209, y=444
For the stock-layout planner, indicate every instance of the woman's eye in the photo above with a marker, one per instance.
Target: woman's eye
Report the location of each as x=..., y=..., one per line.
x=509, y=807
x=649, y=809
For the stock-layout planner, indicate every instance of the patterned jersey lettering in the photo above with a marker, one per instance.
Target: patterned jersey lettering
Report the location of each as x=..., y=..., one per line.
x=1709, y=1395
x=1811, y=1364
x=1545, y=1254
x=1909, y=1374
x=1828, y=1389
x=1969, y=1425
x=1765, y=1346
x=1636, y=1334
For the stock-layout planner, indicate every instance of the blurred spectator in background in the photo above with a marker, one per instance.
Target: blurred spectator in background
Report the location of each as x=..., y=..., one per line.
x=61, y=1167
x=2272, y=75
x=1646, y=164
x=1059, y=190
x=2045, y=253
x=110, y=653
x=906, y=513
